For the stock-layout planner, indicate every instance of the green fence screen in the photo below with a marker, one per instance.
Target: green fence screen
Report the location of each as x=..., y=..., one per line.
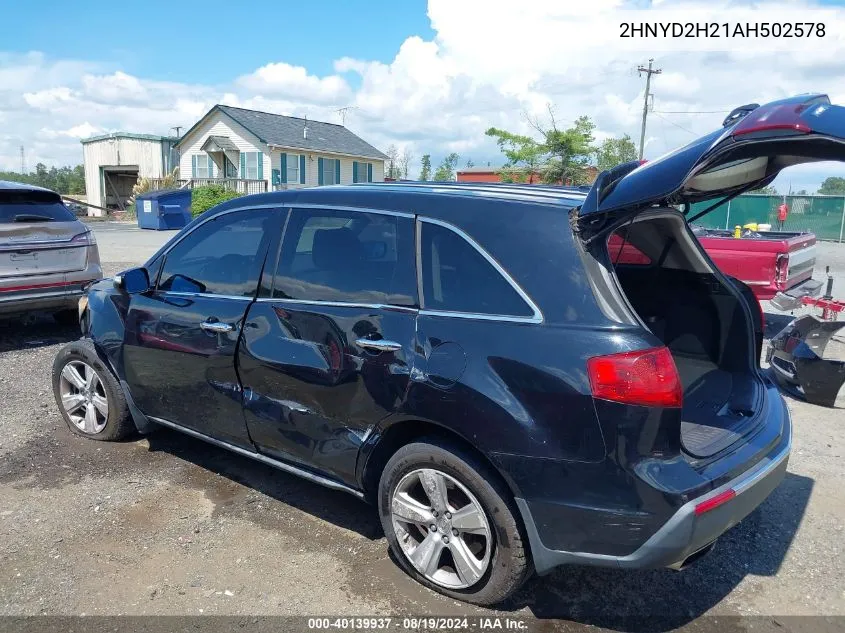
x=823, y=215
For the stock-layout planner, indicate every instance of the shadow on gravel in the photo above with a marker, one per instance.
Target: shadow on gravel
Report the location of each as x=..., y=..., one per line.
x=337, y=507
x=43, y=331
x=661, y=600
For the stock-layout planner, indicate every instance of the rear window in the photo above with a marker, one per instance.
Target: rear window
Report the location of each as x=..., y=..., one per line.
x=32, y=206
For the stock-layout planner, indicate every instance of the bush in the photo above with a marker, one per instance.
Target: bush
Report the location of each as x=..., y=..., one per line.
x=207, y=196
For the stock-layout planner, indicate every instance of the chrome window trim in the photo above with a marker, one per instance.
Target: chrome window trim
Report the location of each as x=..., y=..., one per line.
x=537, y=316
x=204, y=295
x=339, y=304
x=335, y=207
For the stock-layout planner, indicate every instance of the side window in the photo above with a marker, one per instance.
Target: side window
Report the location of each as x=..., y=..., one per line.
x=348, y=256
x=224, y=256
x=458, y=278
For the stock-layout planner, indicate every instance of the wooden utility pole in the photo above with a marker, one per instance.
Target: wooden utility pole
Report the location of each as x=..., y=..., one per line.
x=649, y=72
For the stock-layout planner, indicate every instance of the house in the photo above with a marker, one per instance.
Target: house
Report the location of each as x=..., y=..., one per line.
x=494, y=174
x=114, y=162
x=264, y=151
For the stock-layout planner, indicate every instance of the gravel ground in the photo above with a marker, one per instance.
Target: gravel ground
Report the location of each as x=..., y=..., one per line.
x=168, y=525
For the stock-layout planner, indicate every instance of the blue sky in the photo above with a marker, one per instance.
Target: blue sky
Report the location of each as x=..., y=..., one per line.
x=428, y=76
x=141, y=38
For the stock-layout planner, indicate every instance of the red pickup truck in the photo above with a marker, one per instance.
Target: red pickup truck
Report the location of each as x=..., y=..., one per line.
x=769, y=262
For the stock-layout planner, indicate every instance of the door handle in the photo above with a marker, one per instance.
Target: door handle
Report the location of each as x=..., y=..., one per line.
x=218, y=327
x=380, y=345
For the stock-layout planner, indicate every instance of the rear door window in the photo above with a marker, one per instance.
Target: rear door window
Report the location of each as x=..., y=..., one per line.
x=347, y=256
x=457, y=277
x=32, y=206
x=223, y=256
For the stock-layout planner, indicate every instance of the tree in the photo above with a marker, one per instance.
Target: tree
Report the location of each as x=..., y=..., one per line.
x=446, y=169
x=569, y=151
x=393, y=170
x=766, y=191
x=63, y=180
x=833, y=185
x=470, y=164
x=425, y=171
x=405, y=161
x=524, y=154
x=615, y=151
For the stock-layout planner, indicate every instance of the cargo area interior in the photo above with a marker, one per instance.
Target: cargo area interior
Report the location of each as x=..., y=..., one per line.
x=674, y=291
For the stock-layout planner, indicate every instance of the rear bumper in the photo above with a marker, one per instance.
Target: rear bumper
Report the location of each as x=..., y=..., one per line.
x=58, y=293
x=685, y=533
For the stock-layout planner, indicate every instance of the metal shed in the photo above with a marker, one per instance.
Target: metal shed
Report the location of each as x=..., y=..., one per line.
x=114, y=162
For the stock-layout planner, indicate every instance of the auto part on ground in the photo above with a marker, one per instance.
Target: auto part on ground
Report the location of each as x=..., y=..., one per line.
x=808, y=360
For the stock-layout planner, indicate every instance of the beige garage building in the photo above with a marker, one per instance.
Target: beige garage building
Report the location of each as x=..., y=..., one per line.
x=114, y=162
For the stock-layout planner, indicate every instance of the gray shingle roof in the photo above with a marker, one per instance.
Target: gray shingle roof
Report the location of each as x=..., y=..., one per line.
x=286, y=131
x=223, y=142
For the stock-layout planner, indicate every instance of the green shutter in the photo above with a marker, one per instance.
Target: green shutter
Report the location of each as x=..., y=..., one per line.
x=242, y=174
x=193, y=165
x=337, y=171
x=302, y=169
x=259, y=158
x=369, y=172
x=284, y=167
x=319, y=171
x=355, y=171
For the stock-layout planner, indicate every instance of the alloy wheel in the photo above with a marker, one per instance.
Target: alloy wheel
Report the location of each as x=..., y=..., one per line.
x=441, y=528
x=84, y=397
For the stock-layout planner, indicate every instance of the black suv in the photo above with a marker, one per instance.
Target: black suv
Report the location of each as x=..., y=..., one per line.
x=473, y=359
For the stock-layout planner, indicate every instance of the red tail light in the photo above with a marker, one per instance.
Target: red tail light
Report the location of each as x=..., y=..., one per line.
x=768, y=118
x=645, y=377
x=782, y=269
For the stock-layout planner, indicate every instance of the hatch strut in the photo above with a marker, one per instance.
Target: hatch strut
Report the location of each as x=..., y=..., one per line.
x=736, y=193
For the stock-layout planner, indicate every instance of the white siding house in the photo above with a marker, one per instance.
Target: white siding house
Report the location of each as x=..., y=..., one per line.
x=279, y=152
x=114, y=162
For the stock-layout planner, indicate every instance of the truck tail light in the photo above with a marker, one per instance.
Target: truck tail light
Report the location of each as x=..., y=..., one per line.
x=645, y=377
x=781, y=269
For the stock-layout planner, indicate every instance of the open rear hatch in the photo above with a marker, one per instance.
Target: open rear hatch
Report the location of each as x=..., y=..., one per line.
x=629, y=221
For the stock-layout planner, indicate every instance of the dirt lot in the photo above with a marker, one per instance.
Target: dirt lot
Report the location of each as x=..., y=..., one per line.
x=168, y=525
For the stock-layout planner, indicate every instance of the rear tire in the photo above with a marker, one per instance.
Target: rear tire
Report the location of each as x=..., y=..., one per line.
x=463, y=567
x=89, y=397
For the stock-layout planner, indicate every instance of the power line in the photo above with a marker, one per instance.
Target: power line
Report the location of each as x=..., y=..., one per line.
x=692, y=111
x=649, y=72
x=681, y=127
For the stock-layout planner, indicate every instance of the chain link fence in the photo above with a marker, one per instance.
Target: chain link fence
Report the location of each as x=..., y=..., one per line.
x=823, y=215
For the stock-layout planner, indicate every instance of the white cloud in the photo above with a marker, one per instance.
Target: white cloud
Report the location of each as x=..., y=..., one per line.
x=488, y=65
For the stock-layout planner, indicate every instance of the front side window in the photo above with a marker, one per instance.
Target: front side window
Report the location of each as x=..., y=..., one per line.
x=222, y=256
x=292, y=168
x=329, y=171
x=347, y=256
x=458, y=278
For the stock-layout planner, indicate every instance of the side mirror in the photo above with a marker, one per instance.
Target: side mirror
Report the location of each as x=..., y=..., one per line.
x=133, y=281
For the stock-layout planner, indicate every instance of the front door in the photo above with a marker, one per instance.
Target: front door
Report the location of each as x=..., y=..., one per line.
x=329, y=355
x=181, y=337
x=229, y=168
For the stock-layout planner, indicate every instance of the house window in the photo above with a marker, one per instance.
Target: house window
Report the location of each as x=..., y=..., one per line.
x=293, y=168
x=360, y=172
x=252, y=159
x=330, y=171
x=203, y=166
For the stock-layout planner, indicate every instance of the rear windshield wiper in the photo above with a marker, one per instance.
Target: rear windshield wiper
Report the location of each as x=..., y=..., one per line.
x=32, y=217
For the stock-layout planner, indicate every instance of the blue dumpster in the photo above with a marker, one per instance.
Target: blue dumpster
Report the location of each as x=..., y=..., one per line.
x=166, y=209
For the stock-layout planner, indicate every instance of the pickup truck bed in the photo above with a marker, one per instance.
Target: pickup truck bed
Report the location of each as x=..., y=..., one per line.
x=769, y=262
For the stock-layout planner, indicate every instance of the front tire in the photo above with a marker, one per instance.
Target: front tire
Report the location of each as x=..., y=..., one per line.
x=89, y=397
x=451, y=524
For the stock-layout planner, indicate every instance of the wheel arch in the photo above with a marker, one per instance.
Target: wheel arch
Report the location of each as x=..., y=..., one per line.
x=386, y=441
